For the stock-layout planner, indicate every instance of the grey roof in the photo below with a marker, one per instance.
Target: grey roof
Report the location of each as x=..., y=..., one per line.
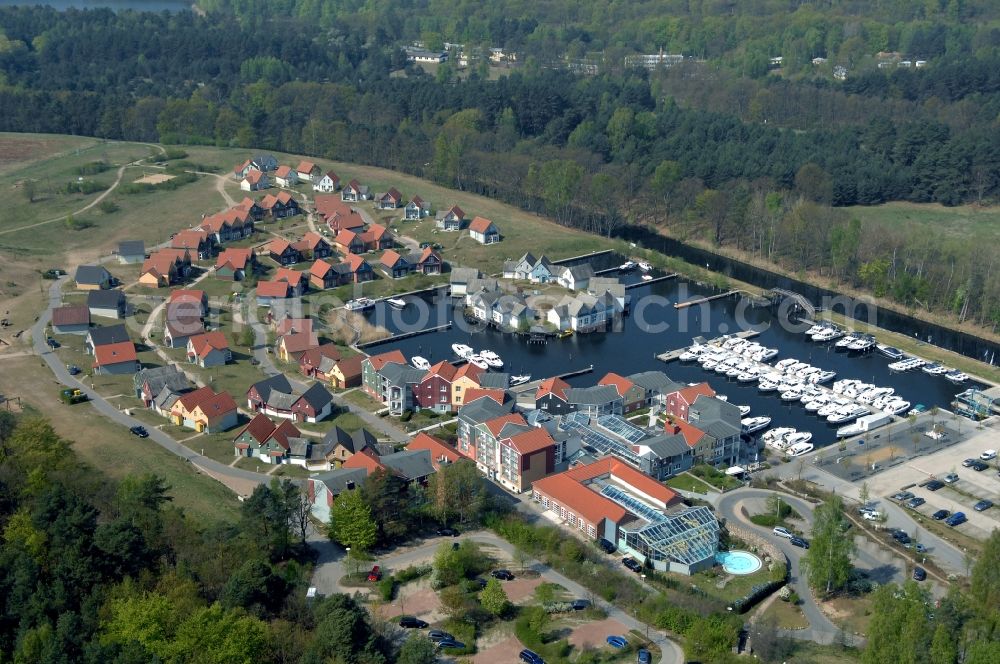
x=666, y=446
x=601, y=285
x=277, y=382
x=539, y=417
x=715, y=417
x=463, y=275
x=410, y=464
x=158, y=378
x=340, y=480
x=317, y=396
x=166, y=398
x=112, y=334
x=299, y=447
x=105, y=299
x=494, y=381
x=354, y=441
x=132, y=248
x=655, y=381
x=280, y=400
x=485, y=299
x=481, y=410
x=583, y=271
x=91, y=274
x=401, y=374
x=594, y=395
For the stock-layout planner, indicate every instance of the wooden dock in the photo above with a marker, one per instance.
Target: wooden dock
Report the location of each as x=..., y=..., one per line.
x=701, y=300
x=576, y=258
x=672, y=355
x=404, y=335
x=654, y=280
x=533, y=385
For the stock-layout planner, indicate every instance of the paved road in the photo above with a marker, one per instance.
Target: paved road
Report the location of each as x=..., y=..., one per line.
x=947, y=556
x=330, y=569
x=821, y=629
x=207, y=465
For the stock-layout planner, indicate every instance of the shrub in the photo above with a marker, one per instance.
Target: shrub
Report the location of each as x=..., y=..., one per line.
x=107, y=206
x=406, y=416
x=387, y=588
x=93, y=168
x=412, y=573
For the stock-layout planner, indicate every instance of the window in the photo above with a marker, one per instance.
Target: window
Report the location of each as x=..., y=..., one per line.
x=591, y=531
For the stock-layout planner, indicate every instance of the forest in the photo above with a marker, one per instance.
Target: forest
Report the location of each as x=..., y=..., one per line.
x=716, y=150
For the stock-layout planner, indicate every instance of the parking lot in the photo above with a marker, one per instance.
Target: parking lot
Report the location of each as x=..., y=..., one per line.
x=913, y=474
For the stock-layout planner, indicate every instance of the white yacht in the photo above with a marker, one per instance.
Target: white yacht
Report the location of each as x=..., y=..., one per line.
x=861, y=345
x=822, y=377
x=897, y=406
x=766, y=355
x=688, y=356
x=799, y=449
x=644, y=266
x=776, y=434
x=396, y=302
x=627, y=266
x=829, y=334
x=755, y=424
x=420, y=362
x=846, y=414
x=798, y=438
x=647, y=277
x=767, y=385
x=360, y=304
x=519, y=379
x=936, y=369
x=956, y=377
x=890, y=352
x=744, y=410
x=816, y=404
x=478, y=361
x=846, y=341
x=461, y=350
x=491, y=359
x=791, y=395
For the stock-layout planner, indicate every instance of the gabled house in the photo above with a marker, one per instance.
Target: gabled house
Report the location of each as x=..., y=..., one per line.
x=354, y=192
x=102, y=336
x=209, y=349
x=295, y=279
x=378, y=237
x=513, y=453
x=240, y=171
x=268, y=292
x=311, y=361
x=323, y=276
x=337, y=215
x=131, y=251
x=428, y=261
x=466, y=379
x=285, y=177
x=574, y=278
x=409, y=465
x=233, y=224
x=184, y=317
x=280, y=205
x=328, y=183
x=307, y=171
x=198, y=242
x=442, y=454
x=251, y=207
x=158, y=271
x=720, y=420
x=471, y=415
x=584, y=313
x=677, y=403
x=484, y=231
x=313, y=245
x=264, y=162
x=149, y=383
x=345, y=373
x=341, y=445
x=350, y=242
x=633, y=396
x=271, y=443
x=394, y=265
x=233, y=264
x=551, y=396
x=657, y=386
x=188, y=301
x=71, y=319
x=400, y=381
x=528, y=268
x=290, y=346
x=324, y=489
x=354, y=269
x=93, y=277
x=371, y=380
x=277, y=399
x=451, y=219
x=389, y=200
x=460, y=278
x=107, y=303
x=283, y=252
x=255, y=180
x=416, y=209
x=595, y=401
x=116, y=358
x=434, y=392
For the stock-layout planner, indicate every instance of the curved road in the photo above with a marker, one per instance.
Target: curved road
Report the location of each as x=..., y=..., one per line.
x=821, y=629
x=330, y=569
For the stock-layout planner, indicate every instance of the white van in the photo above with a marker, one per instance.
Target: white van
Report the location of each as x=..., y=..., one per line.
x=988, y=455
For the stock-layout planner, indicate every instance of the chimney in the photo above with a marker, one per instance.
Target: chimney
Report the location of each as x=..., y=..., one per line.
x=350, y=485
x=677, y=428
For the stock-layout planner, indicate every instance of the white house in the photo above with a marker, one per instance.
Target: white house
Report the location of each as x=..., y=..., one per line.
x=583, y=312
x=327, y=184
x=285, y=177
x=307, y=171
x=416, y=209
x=484, y=231
x=573, y=278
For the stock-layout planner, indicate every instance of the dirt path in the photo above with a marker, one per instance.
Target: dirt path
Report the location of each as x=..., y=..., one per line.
x=220, y=186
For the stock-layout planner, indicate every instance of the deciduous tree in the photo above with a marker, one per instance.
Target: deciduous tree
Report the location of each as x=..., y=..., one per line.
x=828, y=560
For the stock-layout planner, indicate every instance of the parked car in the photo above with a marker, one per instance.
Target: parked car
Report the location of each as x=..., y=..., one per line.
x=782, y=532
x=919, y=548
x=73, y=369
x=480, y=581
x=903, y=496
x=139, y=431
x=901, y=536
x=530, y=657
x=502, y=574
x=940, y=514
x=979, y=466
x=52, y=343
x=983, y=505
x=914, y=503
x=375, y=574
x=632, y=564
x=988, y=455
x=607, y=546
x=799, y=542
x=642, y=656
x=919, y=574
x=871, y=516
x=934, y=485
x=410, y=622
x=956, y=519
x=446, y=532
x=439, y=635
x=580, y=604
x=450, y=643
x=616, y=641
x=968, y=462
x=950, y=478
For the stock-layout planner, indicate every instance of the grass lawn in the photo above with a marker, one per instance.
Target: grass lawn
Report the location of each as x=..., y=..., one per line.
x=109, y=448
x=715, y=477
x=688, y=482
x=735, y=587
x=787, y=615
x=963, y=221
x=851, y=613
x=344, y=419
x=361, y=399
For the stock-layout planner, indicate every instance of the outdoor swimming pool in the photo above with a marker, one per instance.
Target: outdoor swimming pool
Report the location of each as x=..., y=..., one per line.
x=739, y=562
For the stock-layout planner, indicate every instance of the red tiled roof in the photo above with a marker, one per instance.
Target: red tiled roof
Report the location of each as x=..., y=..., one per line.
x=314, y=356
x=189, y=239
x=692, y=392
x=390, y=258
x=474, y=393
x=283, y=432
x=192, y=399
x=626, y=474
x=457, y=211
x=298, y=342
x=289, y=324
x=497, y=424
x=444, y=369
x=480, y=225
x=378, y=231
x=218, y=405
x=350, y=367
x=177, y=254
x=354, y=261
x=529, y=442
x=354, y=184
x=273, y=289
x=253, y=176
x=345, y=237
x=259, y=428
x=570, y=493
x=427, y=253
x=71, y=315
x=236, y=258
x=382, y=359
x=620, y=383
x=293, y=277
x=278, y=245
x=203, y=344
x=691, y=433
x=239, y=169
x=364, y=459
x=186, y=295
x=313, y=240
x=437, y=447
x=305, y=167
x=320, y=268
x=283, y=171
x=123, y=351
x=556, y=386
x=416, y=200
x=470, y=370
x=158, y=265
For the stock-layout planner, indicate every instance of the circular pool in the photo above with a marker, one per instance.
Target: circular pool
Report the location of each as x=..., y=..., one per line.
x=738, y=562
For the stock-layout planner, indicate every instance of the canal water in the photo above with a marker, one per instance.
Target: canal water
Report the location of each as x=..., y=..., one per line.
x=655, y=326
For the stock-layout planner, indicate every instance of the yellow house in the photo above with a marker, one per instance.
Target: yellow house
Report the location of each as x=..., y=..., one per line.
x=205, y=410
x=346, y=373
x=158, y=272
x=466, y=378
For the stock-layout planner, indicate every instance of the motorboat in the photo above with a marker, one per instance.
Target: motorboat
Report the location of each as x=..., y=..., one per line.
x=846, y=414
x=477, y=361
x=846, y=341
x=799, y=449
x=897, y=407
x=869, y=396
x=766, y=355
x=816, y=404
x=688, y=356
x=746, y=377
x=491, y=358
x=744, y=410
x=644, y=266
x=396, y=302
x=647, y=277
x=627, y=266
x=791, y=395
x=816, y=329
x=776, y=434
x=956, y=377
x=822, y=377
x=461, y=350
x=755, y=424
x=519, y=379
x=936, y=369
x=829, y=334
x=359, y=304
x=709, y=365
x=797, y=438
x=861, y=345
x=890, y=352
x=420, y=362
x=785, y=363
x=767, y=386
